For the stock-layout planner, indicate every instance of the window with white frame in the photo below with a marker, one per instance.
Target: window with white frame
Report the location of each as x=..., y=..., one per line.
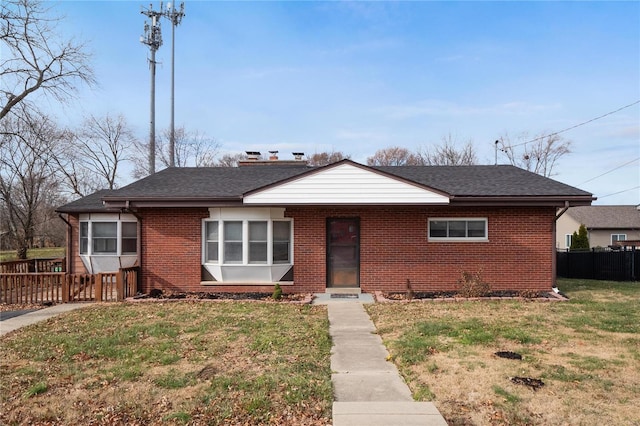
x=241, y=242
x=211, y=242
x=108, y=238
x=618, y=237
x=458, y=229
x=232, y=247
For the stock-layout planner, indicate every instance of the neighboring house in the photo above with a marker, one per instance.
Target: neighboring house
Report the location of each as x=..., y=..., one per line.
x=606, y=225
x=316, y=229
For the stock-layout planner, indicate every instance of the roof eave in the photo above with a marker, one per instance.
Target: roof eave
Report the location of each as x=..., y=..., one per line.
x=182, y=202
x=520, y=201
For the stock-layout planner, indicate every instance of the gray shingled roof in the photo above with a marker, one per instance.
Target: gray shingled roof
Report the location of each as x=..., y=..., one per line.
x=231, y=183
x=88, y=204
x=207, y=182
x=606, y=217
x=484, y=181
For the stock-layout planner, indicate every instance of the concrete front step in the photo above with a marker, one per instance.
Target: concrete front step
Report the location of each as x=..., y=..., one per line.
x=391, y=413
x=343, y=290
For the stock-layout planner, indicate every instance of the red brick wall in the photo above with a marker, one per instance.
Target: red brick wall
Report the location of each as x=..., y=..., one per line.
x=171, y=243
x=394, y=247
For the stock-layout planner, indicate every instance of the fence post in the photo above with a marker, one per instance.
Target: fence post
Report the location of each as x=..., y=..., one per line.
x=65, y=288
x=120, y=285
x=98, y=288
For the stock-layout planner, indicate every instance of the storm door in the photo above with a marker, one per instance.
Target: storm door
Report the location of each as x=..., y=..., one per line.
x=343, y=252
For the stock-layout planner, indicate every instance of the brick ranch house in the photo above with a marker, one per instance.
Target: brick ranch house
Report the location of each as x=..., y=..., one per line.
x=316, y=229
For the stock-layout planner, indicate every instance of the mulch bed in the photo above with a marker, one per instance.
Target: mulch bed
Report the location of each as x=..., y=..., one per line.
x=454, y=296
x=222, y=296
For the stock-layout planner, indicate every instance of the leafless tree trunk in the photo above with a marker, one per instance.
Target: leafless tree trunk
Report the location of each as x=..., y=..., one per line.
x=35, y=57
x=448, y=154
x=539, y=154
x=27, y=172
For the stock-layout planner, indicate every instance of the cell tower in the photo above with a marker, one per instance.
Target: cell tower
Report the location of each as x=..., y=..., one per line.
x=153, y=38
x=175, y=16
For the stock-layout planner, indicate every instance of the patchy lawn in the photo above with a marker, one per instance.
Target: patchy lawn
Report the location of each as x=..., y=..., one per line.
x=170, y=363
x=586, y=351
x=37, y=253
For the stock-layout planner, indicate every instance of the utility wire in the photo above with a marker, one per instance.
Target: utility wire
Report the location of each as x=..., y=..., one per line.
x=573, y=127
x=612, y=170
x=619, y=192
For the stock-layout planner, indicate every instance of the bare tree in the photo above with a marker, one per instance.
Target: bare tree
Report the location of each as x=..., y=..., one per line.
x=394, y=156
x=448, y=154
x=36, y=57
x=94, y=154
x=324, y=158
x=192, y=149
x=28, y=147
x=230, y=160
x=538, y=155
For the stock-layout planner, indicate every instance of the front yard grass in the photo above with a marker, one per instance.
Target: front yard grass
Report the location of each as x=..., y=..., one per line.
x=170, y=363
x=586, y=351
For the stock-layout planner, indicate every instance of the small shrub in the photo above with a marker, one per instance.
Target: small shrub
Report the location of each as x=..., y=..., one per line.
x=472, y=285
x=528, y=294
x=410, y=293
x=277, y=292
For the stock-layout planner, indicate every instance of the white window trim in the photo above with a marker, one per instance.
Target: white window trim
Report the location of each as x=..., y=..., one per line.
x=458, y=239
x=612, y=242
x=118, y=251
x=245, y=242
x=568, y=239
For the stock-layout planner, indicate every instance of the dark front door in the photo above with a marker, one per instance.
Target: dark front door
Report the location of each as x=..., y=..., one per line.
x=343, y=252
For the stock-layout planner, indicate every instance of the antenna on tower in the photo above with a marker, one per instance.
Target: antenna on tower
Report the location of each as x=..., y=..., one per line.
x=153, y=38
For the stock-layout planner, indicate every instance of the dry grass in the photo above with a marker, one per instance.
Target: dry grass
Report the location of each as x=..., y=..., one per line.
x=170, y=363
x=586, y=351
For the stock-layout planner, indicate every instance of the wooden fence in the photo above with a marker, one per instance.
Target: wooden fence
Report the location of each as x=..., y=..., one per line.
x=33, y=266
x=58, y=287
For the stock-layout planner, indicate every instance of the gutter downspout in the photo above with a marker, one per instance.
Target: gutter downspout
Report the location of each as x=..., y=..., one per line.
x=554, y=258
x=127, y=209
x=69, y=236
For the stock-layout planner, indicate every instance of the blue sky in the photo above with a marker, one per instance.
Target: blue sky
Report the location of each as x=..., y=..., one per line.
x=360, y=76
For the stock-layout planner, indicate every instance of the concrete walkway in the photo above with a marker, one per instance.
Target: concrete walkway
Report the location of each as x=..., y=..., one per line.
x=368, y=390
x=11, y=324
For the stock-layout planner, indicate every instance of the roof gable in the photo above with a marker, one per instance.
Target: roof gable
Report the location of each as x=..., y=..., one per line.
x=345, y=183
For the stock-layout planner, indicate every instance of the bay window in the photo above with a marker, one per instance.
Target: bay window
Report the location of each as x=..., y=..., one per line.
x=108, y=238
x=247, y=242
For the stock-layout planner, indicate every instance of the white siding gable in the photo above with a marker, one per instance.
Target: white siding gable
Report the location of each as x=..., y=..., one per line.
x=345, y=184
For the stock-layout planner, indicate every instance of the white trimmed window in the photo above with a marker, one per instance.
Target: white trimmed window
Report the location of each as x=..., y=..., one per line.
x=458, y=229
x=244, y=242
x=567, y=240
x=618, y=237
x=108, y=238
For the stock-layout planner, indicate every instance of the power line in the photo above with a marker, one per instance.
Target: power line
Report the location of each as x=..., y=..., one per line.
x=619, y=192
x=612, y=170
x=575, y=126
